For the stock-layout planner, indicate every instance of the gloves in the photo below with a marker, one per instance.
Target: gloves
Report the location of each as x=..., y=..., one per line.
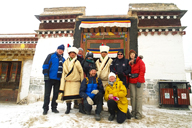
x=134, y=75
x=95, y=91
x=115, y=98
x=138, y=85
x=90, y=101
x=60, y=97
x=46, y=77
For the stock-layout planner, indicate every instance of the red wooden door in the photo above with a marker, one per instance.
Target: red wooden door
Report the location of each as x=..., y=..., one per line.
x=167, y=96
x=183, y=96
x=4, y=70
x=13, y=73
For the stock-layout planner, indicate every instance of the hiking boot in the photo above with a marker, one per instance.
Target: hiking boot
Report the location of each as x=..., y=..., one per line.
x=55, y=111
x=45, y=112
x=97, y=117
x=68, y=108
x=138, y=117
x=111, y=117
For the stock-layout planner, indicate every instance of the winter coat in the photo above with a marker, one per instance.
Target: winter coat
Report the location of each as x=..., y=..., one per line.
x=80, y=58
x=50, y=66
x=118, y=90
x=139, y=68
x=94, y=83
x=103, y=68
x=87, y=65
x=122, y=68
x=71, y=78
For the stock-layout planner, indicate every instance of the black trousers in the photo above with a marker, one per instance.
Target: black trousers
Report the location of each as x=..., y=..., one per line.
x=112, y=107
x=48, y=87
x=98, y=100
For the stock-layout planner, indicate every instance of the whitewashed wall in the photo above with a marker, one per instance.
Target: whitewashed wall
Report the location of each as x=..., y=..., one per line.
x=25, y=78
x=44, y=47
x=163, y=56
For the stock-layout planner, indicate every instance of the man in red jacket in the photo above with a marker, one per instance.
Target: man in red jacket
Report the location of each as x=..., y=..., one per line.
x=136, y=81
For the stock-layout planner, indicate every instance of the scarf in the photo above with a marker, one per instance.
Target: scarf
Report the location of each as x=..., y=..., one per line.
x=103, y=62
x=60, y=68
x=71, y=63
x=111, y=83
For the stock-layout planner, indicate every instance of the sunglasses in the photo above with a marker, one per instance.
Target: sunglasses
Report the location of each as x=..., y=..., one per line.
x=120, y=54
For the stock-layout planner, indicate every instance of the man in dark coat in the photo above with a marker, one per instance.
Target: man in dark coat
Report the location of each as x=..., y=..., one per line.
x=52, y=70
x=92, y=92
x=88, y=63
x=120, y=66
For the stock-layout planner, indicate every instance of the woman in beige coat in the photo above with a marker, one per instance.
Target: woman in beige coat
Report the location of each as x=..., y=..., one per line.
x=72, y=77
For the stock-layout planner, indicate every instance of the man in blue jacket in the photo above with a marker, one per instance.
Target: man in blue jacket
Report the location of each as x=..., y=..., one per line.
x=92, y=91
x=52, y=70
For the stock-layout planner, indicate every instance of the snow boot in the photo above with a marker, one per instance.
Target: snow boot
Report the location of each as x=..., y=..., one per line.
x=45, y=112
x=81, y=109
x=129, y=115
x=111, y=117
x=76, y=106
x=55, y=111
x=97, y=117
x=68, y=108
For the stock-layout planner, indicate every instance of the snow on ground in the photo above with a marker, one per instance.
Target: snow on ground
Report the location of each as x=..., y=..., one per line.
x=25, y=116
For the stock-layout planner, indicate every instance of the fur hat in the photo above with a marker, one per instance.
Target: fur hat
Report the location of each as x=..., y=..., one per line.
x=132, y=51
x=72, y=49
x=104, y=48
x=112, y=74
x=61, y=47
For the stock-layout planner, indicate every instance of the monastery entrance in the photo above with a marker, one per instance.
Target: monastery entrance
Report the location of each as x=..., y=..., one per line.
x=9, y=80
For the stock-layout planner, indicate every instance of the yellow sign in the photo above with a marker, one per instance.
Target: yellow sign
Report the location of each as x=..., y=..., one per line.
x=22, y=46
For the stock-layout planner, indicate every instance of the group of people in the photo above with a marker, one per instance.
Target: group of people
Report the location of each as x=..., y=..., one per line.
x=88, y=82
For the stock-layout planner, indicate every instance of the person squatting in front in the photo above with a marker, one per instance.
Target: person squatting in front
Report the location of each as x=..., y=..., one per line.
x=88, y=63
x=92, y=91
x=52, y=70
x=136, y=81
x=71, y=80
x=115, y=95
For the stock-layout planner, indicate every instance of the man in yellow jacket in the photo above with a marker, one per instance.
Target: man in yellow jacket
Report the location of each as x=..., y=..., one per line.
x=115, y=95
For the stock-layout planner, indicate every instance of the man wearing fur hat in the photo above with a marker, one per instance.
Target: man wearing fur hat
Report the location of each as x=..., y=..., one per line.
x=52, y=70
x=71, y=79
x=103, y=64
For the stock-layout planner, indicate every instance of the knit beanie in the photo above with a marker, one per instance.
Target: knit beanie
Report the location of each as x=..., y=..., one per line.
x=61, y=47
x=112, y=74
x=132, y=51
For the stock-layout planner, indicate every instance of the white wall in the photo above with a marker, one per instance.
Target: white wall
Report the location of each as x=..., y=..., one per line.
x=163, y=56
x=44, y=47
x=25, y=78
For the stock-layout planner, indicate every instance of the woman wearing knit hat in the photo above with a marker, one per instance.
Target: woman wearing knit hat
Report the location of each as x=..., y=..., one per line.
x=115, y=95
x=136, y=82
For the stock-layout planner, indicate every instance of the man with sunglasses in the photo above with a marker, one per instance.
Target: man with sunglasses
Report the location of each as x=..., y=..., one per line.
x=120, y=66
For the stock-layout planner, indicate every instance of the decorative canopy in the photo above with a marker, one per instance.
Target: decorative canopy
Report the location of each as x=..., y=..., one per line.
x=105, y=23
